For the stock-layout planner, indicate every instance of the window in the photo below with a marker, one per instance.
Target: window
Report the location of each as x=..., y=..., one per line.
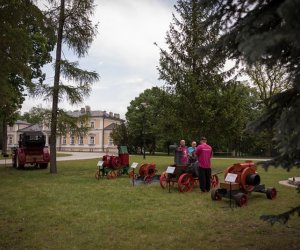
x=110, y=141
x=92, y=124
x=92, y=140
x=64, y=140
x=72, y=139
x=80, y=140
x=10, y=140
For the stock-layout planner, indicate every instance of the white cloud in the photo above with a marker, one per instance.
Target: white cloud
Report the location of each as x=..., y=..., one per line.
x=123, y=53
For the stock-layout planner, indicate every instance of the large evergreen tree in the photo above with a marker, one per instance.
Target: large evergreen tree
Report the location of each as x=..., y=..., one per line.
x=189, y=73
x=192, y=69
x=71, y=19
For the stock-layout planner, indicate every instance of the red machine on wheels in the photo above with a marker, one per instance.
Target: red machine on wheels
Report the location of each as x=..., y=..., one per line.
x=185, y=175
x=31, y=150
x=147, y=173
x=113, y=165
x=185, y=178
x=246, y=181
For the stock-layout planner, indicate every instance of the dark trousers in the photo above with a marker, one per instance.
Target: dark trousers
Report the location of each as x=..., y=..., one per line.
x=204, y=178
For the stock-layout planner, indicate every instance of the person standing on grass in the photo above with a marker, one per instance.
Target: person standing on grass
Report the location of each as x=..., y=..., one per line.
x=204, y=154
x=183, y=150
x=191, y=151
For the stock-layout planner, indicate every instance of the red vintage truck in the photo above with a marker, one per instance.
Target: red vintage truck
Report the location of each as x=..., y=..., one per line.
x=31, y=150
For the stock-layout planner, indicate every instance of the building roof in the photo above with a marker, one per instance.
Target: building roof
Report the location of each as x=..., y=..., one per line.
x=34, y=127
x=22, y=122
x=95, y=113
x=110, y=126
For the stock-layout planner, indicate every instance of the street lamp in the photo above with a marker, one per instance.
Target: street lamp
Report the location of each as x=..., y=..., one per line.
x=144, y=105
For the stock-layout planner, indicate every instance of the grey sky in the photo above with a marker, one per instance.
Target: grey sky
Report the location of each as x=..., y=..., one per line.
x=123, y=53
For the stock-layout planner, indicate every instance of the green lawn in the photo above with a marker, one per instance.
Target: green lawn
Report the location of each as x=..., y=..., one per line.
x=73, y=210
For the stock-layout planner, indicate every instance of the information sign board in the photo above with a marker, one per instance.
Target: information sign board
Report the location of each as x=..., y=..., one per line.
x=134, y=165
x=230, y=177
x=170, y=170
x=100, y=164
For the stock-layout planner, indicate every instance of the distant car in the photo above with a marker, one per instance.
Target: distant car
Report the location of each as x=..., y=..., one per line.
x=31, y=150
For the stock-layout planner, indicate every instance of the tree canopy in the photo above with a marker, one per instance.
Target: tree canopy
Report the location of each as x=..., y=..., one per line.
x=193, y=74
x=25, y=45
x=265, y=32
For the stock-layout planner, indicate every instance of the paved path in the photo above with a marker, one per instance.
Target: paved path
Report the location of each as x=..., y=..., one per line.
x=74, y=156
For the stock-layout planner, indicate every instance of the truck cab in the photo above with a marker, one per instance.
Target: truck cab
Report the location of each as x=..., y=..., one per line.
x=31, y=150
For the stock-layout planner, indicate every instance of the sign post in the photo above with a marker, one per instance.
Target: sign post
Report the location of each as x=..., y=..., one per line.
x=133, y=166
x=100, y=168
x=170, y=170
x=230, y=177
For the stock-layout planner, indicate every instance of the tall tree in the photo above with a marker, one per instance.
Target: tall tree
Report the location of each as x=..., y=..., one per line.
x=142, y=118
x=188, y=68
x=120, y=135
x=268, y=81
x=266, y=32
x=74, y=28
x=26, y=40
x=205, y=104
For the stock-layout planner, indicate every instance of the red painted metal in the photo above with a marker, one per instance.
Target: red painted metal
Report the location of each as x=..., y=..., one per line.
x=185, y=182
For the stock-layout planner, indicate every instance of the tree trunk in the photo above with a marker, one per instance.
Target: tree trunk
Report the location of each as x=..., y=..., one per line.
x=53, y=168
x=4, y=135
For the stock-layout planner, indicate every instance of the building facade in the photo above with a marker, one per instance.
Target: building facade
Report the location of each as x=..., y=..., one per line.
x=98, y=139
x=13, y=133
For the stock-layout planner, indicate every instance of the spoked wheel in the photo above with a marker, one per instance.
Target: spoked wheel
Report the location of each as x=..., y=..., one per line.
x=214, y=181
x=163, y=180
x=97, y=175
x=147, y=179
x=185, y=183
x=111, y=175
x=119, y=172
x=241, y=199
x=271, y=193
x=215, y=195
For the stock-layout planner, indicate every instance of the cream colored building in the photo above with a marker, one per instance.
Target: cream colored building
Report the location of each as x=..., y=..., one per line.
x=98, y=138
x=13, y=133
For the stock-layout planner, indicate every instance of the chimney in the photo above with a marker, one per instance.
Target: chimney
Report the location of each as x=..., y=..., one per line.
x=87, y=109
x=82, y=110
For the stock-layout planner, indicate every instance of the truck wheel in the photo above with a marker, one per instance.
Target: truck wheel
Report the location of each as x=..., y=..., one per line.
x=18, y=165
x=43, y=165
x=14, y=162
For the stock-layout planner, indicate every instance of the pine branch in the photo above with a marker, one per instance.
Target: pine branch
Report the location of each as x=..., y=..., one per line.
x=71, y=71
x=281, y=218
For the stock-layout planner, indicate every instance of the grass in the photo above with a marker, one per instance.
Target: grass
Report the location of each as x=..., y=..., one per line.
x=73, y=210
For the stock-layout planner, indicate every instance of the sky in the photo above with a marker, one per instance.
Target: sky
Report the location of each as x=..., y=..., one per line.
x=123, y=53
